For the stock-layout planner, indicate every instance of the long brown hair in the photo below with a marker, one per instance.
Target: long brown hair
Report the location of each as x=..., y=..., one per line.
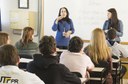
x=3, y=38
x=114, y=18
x=67, y=17
x=27, y=35
x=98, y=48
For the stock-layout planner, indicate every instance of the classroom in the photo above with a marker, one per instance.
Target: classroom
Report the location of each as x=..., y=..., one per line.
x=31, y=26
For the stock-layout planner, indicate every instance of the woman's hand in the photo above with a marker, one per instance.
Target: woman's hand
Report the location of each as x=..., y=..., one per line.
x=67, y=34
x=59, y=18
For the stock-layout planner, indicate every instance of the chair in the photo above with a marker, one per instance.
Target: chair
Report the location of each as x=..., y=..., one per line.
x=116, y=71
x=83, y=80
x=77, y=74
x=97, y=76
x=124, y=69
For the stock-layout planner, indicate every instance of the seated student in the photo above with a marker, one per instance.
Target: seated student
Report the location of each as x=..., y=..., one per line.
x=117, y=49
x=26, y=42
x=46, y=66
x=9, y=72
x=99, y=52
x=4, y=38
x=75, y=59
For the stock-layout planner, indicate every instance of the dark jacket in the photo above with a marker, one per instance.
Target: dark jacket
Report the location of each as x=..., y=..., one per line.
x=50, y=71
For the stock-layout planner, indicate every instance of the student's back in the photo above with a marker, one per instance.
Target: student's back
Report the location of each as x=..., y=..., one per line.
x=9, y=72
x=46, y=66
x=50, y=71
x=75, y=59
x=13, y=75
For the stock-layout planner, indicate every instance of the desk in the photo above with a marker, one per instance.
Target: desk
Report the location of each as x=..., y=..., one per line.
x=97, y=75
x=98, y=69
x=115, y=60
x=116, y=63
x=124, y=60
x=23, y=63
x=59, y=51
x=24, y=60
x=116, y=69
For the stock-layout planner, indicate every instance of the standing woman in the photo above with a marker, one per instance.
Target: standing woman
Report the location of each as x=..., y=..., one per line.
x=114, y=22
x=64, y=27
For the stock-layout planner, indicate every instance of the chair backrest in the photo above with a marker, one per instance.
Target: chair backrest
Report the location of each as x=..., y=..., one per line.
x=77, y=74
x=115, y=57
x=28, y=56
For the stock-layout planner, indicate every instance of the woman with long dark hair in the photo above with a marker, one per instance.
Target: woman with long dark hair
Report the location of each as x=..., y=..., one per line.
x=114, y=22
x=64, y=27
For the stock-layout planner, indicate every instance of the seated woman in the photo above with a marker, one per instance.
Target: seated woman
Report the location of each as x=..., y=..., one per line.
x=4, y=38
x=26, y=43
x=46, y=66
x=9, y=72
x=99, y=52
x=75, y=59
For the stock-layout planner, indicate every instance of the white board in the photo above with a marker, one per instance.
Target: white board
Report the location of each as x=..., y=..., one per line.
x=86, y=15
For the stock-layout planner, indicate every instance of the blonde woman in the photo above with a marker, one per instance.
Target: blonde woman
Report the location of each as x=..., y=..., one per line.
x=4, y=38
x=99, y=51
x=26, y=42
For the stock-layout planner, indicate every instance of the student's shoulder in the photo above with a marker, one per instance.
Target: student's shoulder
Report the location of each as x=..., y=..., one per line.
x=120, y=22
x=18, y=42
x=33, y=78
x=59, y=67
x=86, y=57
x=33, y=43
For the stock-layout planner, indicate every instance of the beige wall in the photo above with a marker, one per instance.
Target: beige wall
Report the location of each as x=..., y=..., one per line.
x=9, y=5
